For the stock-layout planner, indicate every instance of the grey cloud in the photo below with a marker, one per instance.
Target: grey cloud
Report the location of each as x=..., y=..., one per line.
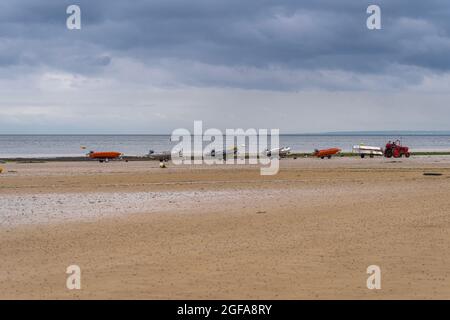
x=134, y=53
x=302, y=35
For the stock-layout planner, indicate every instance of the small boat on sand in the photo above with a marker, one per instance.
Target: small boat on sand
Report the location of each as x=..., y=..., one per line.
x=370, y=151
x=326, y=153
x=104, y=156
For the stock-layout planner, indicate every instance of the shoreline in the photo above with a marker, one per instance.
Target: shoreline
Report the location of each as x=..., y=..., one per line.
x=144, y=158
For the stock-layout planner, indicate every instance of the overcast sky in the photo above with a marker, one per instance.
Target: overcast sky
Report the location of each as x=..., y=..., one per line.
x=150, y=66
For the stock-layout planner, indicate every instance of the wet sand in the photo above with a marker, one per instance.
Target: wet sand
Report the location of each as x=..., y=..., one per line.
x=138, y=231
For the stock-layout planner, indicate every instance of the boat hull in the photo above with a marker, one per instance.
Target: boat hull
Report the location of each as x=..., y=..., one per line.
x=104, y=155
x=326, y=152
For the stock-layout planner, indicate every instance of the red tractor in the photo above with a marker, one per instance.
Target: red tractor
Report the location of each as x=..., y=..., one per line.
x=396, y=150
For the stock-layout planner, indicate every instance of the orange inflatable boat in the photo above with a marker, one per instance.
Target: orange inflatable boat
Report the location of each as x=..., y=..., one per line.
x=104, y=156
x=326, y=153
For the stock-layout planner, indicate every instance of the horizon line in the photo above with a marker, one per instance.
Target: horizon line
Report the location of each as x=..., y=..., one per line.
x=356, y=132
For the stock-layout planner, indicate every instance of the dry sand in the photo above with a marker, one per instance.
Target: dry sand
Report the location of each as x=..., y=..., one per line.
x=211, y=232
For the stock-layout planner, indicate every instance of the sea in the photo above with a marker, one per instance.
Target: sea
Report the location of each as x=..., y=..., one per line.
x=45, y=146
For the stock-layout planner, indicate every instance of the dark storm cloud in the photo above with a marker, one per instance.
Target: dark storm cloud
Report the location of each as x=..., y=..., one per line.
x=303, y=36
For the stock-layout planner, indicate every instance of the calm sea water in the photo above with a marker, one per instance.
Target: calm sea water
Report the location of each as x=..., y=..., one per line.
x=70, y=145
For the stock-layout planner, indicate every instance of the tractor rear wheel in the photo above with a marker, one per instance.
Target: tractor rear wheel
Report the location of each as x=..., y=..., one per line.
x=388, y=153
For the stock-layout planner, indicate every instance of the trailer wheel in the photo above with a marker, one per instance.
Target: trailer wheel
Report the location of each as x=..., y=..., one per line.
x=329, y=157
x=407, y=154
x=322, y=158
x=371, y=155
x=362, y=156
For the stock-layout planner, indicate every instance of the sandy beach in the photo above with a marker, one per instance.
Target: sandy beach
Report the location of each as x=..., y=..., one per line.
x=226, y=232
